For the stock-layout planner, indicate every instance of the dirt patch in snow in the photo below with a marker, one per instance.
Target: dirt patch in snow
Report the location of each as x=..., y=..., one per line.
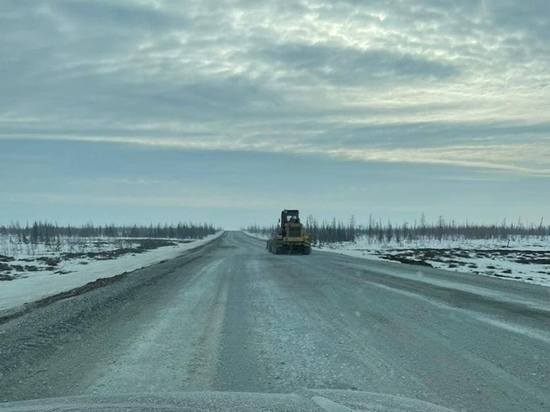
x=501, y=263
x=11, y=268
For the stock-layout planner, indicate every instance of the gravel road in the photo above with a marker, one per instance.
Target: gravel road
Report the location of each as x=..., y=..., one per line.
x=231, y=317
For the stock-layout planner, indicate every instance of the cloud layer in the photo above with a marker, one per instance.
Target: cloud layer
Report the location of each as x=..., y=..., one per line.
x=327, y=77
x=377, y=100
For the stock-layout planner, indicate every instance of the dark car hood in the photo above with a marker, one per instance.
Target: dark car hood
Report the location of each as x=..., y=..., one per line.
x=302, y=401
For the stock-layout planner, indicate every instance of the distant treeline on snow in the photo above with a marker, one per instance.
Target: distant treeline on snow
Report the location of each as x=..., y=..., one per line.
x=337, y=231
x=46, y=232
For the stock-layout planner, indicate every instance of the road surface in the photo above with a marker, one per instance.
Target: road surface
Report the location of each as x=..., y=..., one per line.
x=231, y=317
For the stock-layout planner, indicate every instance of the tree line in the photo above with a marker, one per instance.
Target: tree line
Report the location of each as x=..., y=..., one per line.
x=375, y=231
x=48, y=232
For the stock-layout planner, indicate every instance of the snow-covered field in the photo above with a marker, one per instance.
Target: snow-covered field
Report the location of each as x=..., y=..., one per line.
x=524, y=259
x=32, y=273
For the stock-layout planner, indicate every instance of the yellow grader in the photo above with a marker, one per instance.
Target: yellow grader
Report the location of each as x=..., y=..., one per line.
x=290, y=237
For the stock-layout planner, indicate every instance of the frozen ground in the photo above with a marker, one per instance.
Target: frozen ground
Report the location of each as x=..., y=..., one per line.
x=526, y=259
x=27, y=275
x=522, y=259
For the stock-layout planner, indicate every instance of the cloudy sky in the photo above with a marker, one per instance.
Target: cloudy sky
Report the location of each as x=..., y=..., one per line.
x=229, y=111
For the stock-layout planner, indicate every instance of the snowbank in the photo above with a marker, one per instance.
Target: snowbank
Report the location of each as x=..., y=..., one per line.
x=78, y=272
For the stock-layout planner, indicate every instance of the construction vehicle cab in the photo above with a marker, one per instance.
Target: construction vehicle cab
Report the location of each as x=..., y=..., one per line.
x=289, y=220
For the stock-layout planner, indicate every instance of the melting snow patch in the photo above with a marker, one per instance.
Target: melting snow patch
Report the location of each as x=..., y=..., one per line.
x=527, y=260
x=30, y=278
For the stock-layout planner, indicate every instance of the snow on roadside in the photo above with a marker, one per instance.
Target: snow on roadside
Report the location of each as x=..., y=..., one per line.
x=526, y=260
x=79, y=272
